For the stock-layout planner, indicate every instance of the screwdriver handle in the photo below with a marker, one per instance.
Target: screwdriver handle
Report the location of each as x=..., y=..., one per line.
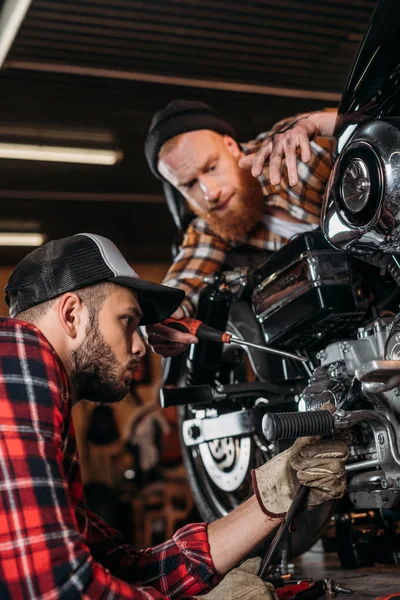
x=186, y=325
x=199, y=329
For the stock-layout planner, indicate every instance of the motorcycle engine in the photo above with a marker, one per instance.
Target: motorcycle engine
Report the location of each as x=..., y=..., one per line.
x=332, y=381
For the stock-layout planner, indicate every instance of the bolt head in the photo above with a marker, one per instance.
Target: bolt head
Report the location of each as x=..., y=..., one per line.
x=384, y=484
x=194, y=431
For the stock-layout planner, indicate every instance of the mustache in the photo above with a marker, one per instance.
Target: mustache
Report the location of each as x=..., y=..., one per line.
x=133, y=364
x=214, y=205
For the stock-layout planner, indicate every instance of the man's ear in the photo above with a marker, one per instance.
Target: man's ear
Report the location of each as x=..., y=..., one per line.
x=72, y=314
x=232, y=146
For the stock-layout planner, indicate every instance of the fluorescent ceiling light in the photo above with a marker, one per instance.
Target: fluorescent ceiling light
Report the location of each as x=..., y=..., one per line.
x=22, y=239
x=11, y=17
x=60, y=154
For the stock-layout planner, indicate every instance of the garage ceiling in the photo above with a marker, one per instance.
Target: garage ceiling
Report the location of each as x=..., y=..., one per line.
x=97, y=70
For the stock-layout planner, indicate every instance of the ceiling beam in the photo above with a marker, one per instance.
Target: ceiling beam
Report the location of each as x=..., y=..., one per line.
x=11, y=17
x=230, y=86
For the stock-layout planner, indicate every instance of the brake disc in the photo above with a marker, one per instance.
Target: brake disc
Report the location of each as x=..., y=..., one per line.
x=226, y=461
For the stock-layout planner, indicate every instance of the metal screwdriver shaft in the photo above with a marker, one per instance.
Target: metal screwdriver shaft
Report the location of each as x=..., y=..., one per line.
x=267, y=349
x=205, y=332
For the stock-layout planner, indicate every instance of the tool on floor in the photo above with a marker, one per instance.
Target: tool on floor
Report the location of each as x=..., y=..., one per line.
x=205, y=332
x=308, y=589
x=301, y=590
x=332, y=588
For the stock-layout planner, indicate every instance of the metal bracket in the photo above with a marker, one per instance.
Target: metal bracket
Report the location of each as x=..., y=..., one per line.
x=197, y=431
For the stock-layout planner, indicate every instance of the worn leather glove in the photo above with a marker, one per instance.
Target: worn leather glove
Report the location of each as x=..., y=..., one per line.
x=243, y=583
x=319, y=464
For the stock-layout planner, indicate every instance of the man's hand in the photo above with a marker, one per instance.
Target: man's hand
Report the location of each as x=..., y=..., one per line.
x=284, y=144
x=167, y=341
x=279, y=146
x=318, y=464
x=242, y=583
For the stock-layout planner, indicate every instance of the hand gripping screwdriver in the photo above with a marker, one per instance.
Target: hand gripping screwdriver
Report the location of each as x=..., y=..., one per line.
x=205, y=332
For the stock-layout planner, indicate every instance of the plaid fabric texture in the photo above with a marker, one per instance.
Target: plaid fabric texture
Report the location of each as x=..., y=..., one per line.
x=51, y=546
x=203, y=252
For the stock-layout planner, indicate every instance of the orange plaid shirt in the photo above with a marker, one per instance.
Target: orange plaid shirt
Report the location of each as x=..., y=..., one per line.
x=203, y=252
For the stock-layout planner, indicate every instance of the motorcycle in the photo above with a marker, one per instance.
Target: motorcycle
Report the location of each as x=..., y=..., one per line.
x=331, y=295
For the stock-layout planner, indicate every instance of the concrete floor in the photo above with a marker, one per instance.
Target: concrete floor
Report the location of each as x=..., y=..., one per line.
x=368, y=583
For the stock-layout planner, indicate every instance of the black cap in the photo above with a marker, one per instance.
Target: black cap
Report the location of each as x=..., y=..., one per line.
x=80, y=260
x=181, y=116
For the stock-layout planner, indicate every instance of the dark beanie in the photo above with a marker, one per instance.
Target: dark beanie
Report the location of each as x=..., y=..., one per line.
x=181, y=116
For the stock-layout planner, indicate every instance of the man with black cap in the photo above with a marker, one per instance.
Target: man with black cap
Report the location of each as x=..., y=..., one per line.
x=76, y=306
x=194, y=149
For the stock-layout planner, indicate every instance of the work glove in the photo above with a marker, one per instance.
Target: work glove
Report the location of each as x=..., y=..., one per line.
x=318, y=464
x=242, y=583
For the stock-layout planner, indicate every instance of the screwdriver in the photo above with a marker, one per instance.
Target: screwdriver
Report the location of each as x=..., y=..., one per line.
x=205, y=332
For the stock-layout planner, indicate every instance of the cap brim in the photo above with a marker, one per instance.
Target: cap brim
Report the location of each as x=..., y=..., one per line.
x=157, y=302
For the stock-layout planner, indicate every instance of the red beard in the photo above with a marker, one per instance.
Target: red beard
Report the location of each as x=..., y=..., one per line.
x=233, y=224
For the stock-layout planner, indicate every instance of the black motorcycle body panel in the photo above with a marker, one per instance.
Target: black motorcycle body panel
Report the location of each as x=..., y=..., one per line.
x=372, y=90
x=306, y=293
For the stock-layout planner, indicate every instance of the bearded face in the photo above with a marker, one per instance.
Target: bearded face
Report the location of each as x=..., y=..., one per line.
x=243, y=212
x=203, y=166
x=95, y=373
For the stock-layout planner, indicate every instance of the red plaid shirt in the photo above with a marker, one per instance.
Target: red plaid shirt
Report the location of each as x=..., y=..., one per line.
x=51, y=545
x=203, y=252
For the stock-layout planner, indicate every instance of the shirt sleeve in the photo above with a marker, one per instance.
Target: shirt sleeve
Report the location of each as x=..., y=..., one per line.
x=43, y=553
x=201, y=253
x=279, y=127
x=180, y=565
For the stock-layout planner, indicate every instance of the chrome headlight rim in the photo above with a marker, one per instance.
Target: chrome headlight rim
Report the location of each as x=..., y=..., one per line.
x=363, y=154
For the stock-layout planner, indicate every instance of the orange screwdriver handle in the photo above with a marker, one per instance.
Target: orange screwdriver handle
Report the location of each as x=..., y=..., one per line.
x=186, y=325
x=199, y=329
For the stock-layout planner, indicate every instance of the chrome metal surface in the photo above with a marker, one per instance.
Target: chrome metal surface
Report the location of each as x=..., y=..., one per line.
x=361, y=210
x=363, y=465
x=355, y=185
x=375, y=440
x=232, y=424
x=387, y=447
x=227, y=461
x=311, y=269
x=370, y=345
x=379, y=375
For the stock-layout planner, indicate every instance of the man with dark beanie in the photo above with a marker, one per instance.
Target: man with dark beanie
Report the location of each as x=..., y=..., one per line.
x=237, y=191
